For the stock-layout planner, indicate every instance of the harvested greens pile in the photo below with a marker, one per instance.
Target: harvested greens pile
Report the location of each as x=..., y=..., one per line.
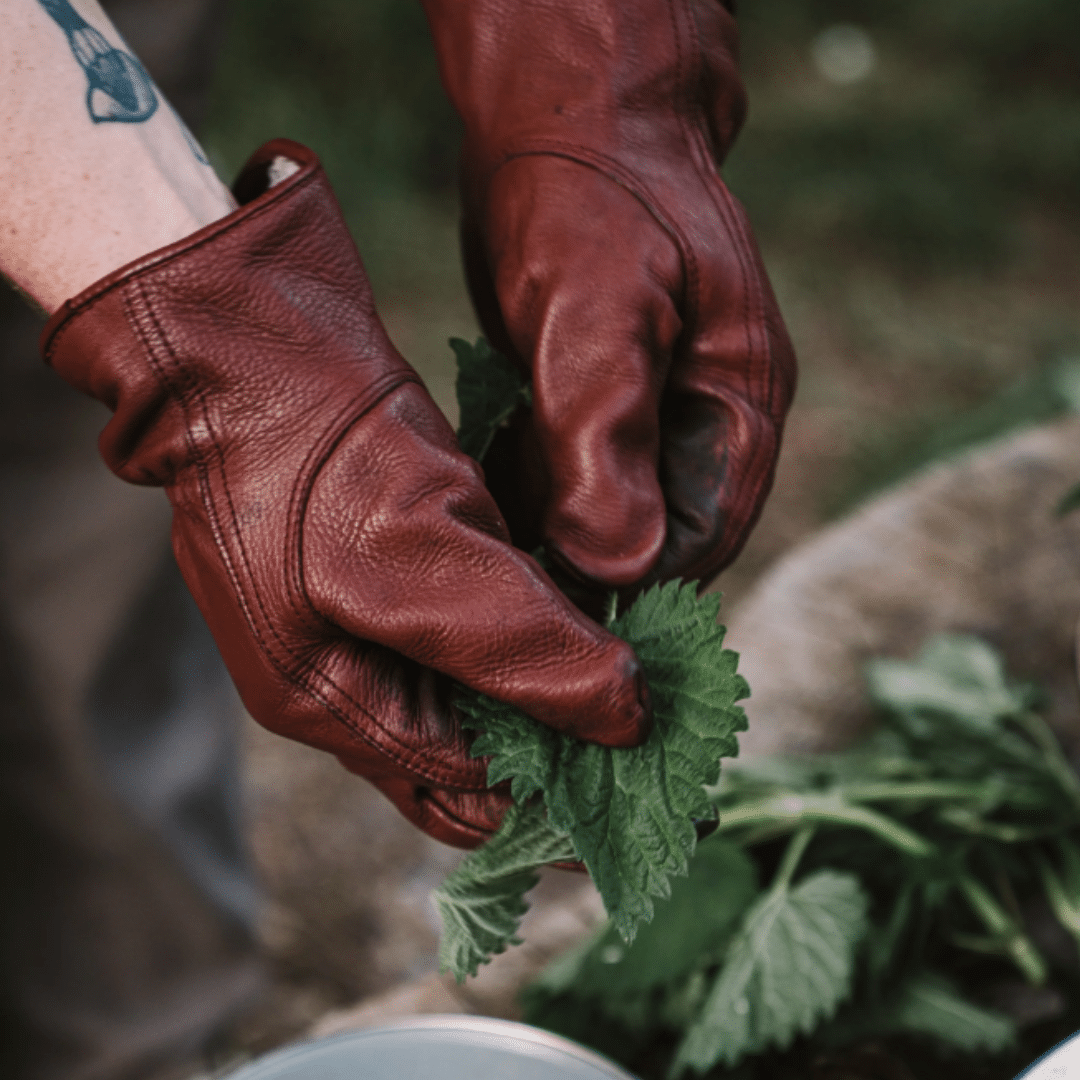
x=901, y=891
x=895, y=889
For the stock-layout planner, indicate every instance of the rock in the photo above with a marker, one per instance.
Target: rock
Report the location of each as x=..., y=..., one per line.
x=970, y=545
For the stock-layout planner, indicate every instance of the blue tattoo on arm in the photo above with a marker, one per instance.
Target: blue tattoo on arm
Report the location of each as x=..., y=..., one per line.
x=120, y=90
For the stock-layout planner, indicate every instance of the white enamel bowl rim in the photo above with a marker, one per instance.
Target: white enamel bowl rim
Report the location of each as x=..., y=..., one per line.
x=480, y=1031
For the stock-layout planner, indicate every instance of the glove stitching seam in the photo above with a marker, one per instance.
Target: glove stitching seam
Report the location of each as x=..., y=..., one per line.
x=762, y=463
x=440, y=810
x=752, y=292
x=137, y=288
x=683, y=73
x=302, y=678
x=405, y=756
x=705, y=166
x=175, y=388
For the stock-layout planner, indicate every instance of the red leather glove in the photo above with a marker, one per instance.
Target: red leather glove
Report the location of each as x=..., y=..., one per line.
x=344, y=552
x=606, y=256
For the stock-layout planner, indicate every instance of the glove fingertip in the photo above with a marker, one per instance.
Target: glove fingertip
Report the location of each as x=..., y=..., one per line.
x=615, y=711
x=630, y=719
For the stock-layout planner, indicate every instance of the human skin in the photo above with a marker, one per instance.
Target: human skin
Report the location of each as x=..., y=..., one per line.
x=97, y=169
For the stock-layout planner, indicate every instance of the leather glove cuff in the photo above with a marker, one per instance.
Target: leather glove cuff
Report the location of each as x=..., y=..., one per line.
x=234, y=362
x=159, y=340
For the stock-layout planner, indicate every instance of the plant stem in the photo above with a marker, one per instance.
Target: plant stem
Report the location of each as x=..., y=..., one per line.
x=831, y=809
x=1013, y=941
x=792, y=855
x=1003, y=832
x=1062, y=904
x=921, y=790
x=612, y=609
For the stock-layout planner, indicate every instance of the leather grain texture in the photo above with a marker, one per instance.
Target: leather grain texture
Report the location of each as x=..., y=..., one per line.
x=607, y=257
x=344, y=552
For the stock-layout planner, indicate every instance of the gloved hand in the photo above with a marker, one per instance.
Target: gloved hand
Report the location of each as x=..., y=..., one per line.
x=344, y=552
x=606, y=256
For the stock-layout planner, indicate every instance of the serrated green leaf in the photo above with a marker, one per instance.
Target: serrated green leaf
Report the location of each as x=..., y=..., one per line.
x=521, y=750
x=789, y=968
x=481, y=903
x=490, y=388
x=630, y=813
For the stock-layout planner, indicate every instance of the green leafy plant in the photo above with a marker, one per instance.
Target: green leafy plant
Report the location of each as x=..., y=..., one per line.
x=482, y=902
x=901, y=863
x=628, y=815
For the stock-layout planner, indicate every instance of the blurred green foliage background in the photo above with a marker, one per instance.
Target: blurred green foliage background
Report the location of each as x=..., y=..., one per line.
x=356, y=78
x=357, y=81
x=969, y=119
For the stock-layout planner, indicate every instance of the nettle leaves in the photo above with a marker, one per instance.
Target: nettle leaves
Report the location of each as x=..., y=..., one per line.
x=909, y=861
x=482, y=902
x=629, y=815
x=901, y=860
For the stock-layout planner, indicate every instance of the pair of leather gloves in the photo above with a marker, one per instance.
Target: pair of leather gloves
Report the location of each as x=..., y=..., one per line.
x=347, y=556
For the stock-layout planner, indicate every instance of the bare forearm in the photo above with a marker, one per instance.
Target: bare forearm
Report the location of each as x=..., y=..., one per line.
x=96, y=169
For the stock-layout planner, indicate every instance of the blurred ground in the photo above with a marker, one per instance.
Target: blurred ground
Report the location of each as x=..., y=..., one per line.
x=913, y=171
